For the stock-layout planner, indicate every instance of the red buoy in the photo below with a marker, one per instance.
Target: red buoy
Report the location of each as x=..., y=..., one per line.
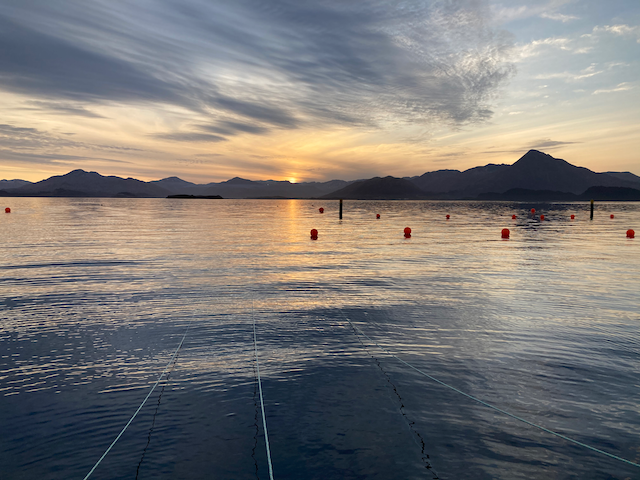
x=448, y=217
x=611, y=216
x=513, y=217
x=573, y=217
x=377, y=215
x=505, y=233
x=7, y=210
x=631, y=233
x=533, y=211
x=314, y=234
x=321, y=210
x=407, y=232
x=542, y=218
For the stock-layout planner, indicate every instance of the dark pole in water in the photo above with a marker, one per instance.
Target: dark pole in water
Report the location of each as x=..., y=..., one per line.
x=591, y=210
x=340, y=209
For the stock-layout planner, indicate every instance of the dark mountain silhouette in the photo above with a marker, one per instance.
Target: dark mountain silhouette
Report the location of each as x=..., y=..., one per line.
x=196, y=197
x=377, y=188
x=535, y=175
x=628, y=176
x=79, y=183
x=611, y=193
x=456, y=183
x=533, y=171
x=241, y=188
x=11, y=184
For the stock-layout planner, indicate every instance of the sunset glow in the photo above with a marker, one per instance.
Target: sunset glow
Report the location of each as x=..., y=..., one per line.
x=210, y=91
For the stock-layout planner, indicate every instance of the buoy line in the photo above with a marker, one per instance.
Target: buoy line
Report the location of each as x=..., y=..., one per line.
x=143, y=402
x=576, y=442
x=264, y=419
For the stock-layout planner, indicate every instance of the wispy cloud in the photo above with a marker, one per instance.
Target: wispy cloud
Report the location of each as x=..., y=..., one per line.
x=548, y=144
x=263, y=64
x=528, y=9
x=619, y=30
x=559, y=17
x=621, y=87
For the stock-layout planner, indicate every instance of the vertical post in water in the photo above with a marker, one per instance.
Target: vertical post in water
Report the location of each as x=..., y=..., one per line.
x=591, y=209
x=340, y=209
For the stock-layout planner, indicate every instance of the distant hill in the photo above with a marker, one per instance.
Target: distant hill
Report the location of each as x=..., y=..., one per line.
x=11, y=184
x=79, y=183
x=533, y=171
x=611, y=194
x=535, y=176
x=377, y=188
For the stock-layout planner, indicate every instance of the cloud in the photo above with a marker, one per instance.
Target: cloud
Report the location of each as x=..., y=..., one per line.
x=559, y=17
x=189, y=137
x=52, y=158
x=548, y=144
x=530, y=8
x=61, y=108
x=537, y=47
x=588, y=72
x=261, y=64
x=229, y=128
x=32, y=139
x=619, y=30
x=621, y=87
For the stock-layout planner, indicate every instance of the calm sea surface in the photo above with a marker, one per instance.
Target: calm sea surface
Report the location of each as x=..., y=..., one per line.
x=96, y=295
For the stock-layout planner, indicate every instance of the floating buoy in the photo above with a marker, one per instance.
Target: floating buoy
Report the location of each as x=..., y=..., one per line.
x=631, y=233
x=7, y=210
x=321, y=210
x=505, y=233
x=542, y=218
x=573, y=217
x=448, y=217
x=533, y=211
x=407, y=232
x=377, y=215
x=611, y=216
x=513, y=217
x=314, y=234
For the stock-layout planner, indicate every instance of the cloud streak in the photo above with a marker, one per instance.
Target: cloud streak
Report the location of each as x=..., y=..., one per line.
x=255, y=66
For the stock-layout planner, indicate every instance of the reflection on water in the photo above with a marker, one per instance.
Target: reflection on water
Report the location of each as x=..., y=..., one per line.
x=96, y=294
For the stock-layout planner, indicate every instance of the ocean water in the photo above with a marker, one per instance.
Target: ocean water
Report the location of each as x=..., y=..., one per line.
x=97, y=294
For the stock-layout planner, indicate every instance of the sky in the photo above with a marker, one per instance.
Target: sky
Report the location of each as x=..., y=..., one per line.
x=305, y=90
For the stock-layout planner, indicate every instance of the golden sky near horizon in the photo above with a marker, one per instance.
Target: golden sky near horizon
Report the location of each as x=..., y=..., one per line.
x=309, y=91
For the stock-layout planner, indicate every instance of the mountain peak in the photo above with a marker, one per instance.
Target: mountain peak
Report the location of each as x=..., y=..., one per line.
x=238, y=181
x=535, y=156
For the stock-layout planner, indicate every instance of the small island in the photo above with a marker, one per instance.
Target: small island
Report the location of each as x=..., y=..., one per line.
x=217, y=197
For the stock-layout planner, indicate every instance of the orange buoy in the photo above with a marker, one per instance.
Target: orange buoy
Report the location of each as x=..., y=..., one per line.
x=321, y=210
x=407, y=232
x=513, y=217
x=377, y=215
x=631, y=233
x=542, y=218
x=573, y=217
x=505, y=233
x=7, y=210
x=611, y=216
x=533, y=211
x=314, y=234
x=448, y=217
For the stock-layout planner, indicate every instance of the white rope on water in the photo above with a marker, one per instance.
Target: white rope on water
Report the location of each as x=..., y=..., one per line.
x=142, y=404
x=264, y=419
x=615, y=457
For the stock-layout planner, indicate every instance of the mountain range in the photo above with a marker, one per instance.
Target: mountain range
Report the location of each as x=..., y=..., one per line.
x=535, y=176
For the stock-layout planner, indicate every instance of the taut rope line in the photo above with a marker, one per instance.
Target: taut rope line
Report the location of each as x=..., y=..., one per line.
x=615, y=457
x=264, y=419
x=143, y=402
